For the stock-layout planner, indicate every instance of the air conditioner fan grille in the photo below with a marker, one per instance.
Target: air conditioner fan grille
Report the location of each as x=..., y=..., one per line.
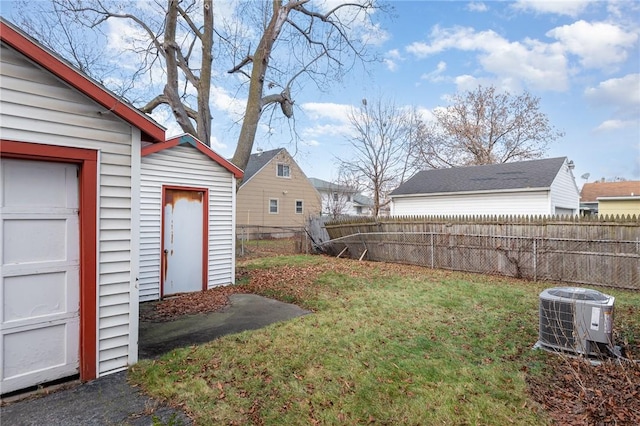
x=557, y=323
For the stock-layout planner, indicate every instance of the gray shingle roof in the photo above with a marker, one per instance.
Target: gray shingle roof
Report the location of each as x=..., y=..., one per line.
x=323, y=185
x=492, y=177
x=257, y=161
x=362, y=200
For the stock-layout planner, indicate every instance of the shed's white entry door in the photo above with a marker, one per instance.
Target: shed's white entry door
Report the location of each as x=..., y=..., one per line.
x=40, y=280
x=183, y=244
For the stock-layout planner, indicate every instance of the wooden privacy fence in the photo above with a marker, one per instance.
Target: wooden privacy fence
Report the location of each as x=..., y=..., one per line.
x=571, y=251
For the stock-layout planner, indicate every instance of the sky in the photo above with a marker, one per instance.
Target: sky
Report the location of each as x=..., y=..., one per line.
x=581, y=58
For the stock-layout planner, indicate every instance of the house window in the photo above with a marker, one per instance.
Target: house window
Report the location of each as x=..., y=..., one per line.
x=299, y=205
x=283, y=170
x=358, y=210
x=273, y=206
x=335, y=196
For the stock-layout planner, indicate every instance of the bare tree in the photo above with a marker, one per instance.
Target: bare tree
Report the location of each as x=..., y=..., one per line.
x=485, y=127
x=291, y=39
x=176, y=38
x=337, y=201
x=383, y=134
x=341, y=194
x=318, y=40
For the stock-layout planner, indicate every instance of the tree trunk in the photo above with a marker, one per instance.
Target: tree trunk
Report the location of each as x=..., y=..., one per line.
x=171, y=87
x=203, y=121
x=260, y=64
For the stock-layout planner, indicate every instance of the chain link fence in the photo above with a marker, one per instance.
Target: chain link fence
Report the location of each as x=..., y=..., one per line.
x=609, y=263
x=260, y=241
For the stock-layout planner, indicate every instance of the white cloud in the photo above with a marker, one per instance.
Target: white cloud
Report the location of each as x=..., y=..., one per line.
x=216, y=144
x=611, y=125
x=394, y=54
x=356, y=20
x=477, y=6
x=165, y=118
x=223, y=101
x=425, y=114
x=598, y=44
x=462, y=38
x=435, y=75
x=391, y=65
x=331, y=120
x=540, y=65
x=319, y=111
x=392, y=57
x=623, y=92
x=571, y=8
x=374, y=34
x=327, y=130
x=467, y=83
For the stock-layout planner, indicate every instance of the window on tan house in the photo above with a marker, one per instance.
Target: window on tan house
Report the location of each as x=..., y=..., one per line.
x=273, y=206
x=299, y=206
x=284, y=171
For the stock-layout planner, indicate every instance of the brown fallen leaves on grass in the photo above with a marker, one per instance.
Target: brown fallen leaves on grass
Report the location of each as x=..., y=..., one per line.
x=573, y=392
x=578, y=393
x=285, y=283
x=291, y=284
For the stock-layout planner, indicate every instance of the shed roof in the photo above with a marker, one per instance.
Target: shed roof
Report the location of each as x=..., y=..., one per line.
x=592, y=191
x=187, y=139
x=52, y=62
x=515, y=176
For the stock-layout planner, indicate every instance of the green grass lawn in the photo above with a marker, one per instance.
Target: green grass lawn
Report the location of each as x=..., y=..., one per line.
x=386, y=344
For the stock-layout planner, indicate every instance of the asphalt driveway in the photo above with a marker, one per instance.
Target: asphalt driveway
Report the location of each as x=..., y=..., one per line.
x=110, y=400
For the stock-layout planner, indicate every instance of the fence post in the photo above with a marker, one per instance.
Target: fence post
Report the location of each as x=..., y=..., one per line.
x=432, y=251
x=535, y=259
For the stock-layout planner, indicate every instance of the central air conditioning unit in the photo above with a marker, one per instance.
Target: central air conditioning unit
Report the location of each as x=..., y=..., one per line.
x=576, y=319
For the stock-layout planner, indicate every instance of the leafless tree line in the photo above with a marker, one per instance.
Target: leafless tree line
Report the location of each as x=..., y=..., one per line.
x=484, y=126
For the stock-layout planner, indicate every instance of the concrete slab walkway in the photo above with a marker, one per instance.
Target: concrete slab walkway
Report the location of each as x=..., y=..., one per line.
x=110, y=400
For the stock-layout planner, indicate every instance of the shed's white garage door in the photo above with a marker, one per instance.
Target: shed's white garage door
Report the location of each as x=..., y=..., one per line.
x=39, y=289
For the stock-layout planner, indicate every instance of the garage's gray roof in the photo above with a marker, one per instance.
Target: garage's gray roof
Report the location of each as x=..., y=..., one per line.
x=492, y=177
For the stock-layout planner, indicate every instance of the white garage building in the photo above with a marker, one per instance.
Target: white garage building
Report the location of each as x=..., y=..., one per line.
x=70, y=153
x=535, y=187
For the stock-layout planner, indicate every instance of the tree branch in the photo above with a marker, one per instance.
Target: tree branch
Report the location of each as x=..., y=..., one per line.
x=189, y=22
x=242, y=63
x=154, y=103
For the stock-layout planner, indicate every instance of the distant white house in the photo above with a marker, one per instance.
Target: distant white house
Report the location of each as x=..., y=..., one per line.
x=342, y=200
x=536, y=187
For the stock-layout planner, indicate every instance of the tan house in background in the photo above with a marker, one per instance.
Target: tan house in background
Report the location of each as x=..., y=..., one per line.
x=619, y=206
x=275, y=192
x=610, y=198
